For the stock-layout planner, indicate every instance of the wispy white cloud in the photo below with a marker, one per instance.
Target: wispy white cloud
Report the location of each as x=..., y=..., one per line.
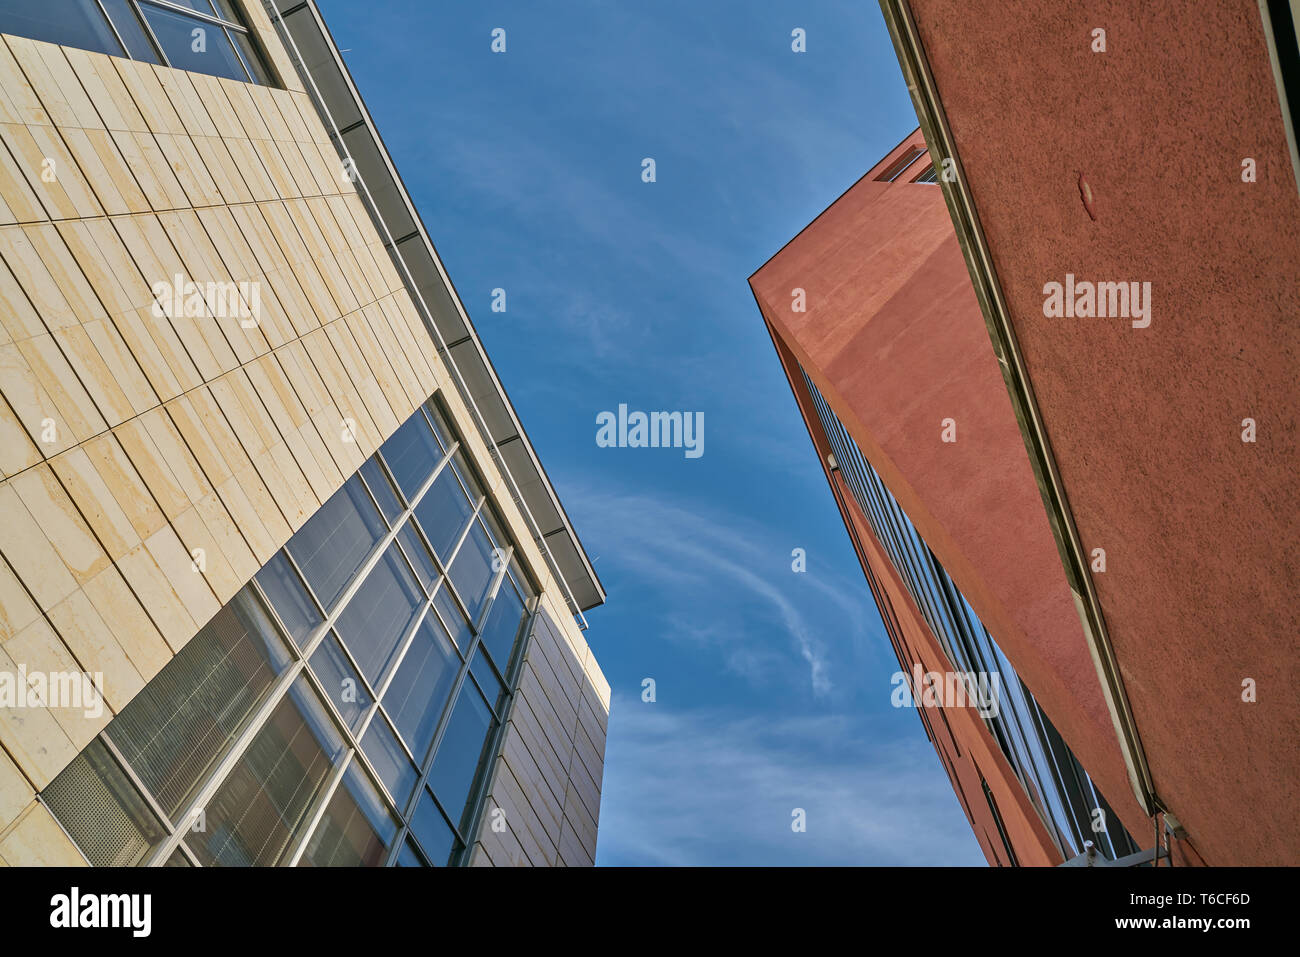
x=713, y=569
x=703, y=787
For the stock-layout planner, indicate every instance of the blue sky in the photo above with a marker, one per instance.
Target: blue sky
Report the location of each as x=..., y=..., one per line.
x=772, y=686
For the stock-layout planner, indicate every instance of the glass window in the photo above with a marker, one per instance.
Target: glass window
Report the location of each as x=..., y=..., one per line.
x=411, y=454
x=381, y=614
x=472, y=570
x=357, y=828
x=473, y=488
x=493, y=690
x=432, y=831
x=452, y=619
x=290, y=600
x=197, y=45
x=418, y=554
x=442, y=513
x=180, y=723
x=263, y=802
x=505, y=622
x=73, y=23
x=334, y=542
x=131, y=30
x=106, y=815
x=389, y=760
x=446, y=434
x=408, y=857
x=419, y=690
x=341, y=683
x=381, y=487
x=462, y=752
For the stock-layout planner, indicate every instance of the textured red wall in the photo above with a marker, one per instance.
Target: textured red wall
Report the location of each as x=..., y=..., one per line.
x=894, y=339
x=1200, y=529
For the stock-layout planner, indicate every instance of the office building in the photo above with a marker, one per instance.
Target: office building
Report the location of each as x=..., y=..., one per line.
x=283, y=579
x=1094, y=502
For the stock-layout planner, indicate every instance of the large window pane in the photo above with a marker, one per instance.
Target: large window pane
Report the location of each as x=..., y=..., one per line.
x=255, y=814
x=103, y=811
x=382, y=489
x=72, y=23
x=454, y=621
x=182, y=720
x=462, y=752
x=418, y=555
x=381, y=613
x=193, y=44
x=418, y=693
x=407, y=857
x=411, y=454
x=357, y=828
x=298, y=613
x=431, y=830
x=442, y=513
x=390, y=762
x=505, y=623
x=343, y=686
x=131, y=30
x=334, y=542
x=471, y=570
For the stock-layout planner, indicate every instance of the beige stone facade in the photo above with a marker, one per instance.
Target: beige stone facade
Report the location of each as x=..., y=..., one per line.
x=150, y=464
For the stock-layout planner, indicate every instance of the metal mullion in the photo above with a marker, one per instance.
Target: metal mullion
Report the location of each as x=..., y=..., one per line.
x=311, y=592
x=140, y=786
x=217, y=776
x=239, y=56
x=113, y=26
x=464, y=532
x=153, y=37
x=494, y=589
x=407, y=641
x=513, y=669
x=322, y=803
x=196, y=14
x=377, y=553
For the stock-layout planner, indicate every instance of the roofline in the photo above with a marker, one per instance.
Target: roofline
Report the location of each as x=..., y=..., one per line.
x=390, y=170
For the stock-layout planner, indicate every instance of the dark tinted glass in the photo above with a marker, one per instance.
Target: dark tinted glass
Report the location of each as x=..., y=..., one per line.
x=411, y=454
x=380, y=614
x=472, y=571
x=418, y=554
x=289, y=599
x=194, y=45
x=382, y=489
x=130, y=29
x=462, y=751
x=442, y=513
x=182, y=720
x=356, y=830
x=504, y=623
x=389, y=760
x=342, y=685
x=72, y=23
x=454, y=621
x=334, y=542
x=431, y=830
x=418, y=693
x=261, y=805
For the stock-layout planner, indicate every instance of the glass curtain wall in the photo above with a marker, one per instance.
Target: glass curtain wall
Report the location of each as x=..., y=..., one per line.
x=1056, y=783
x=343, y=708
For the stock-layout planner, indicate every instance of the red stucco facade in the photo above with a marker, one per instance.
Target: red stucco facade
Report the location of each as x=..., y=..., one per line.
x=1146, y=424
